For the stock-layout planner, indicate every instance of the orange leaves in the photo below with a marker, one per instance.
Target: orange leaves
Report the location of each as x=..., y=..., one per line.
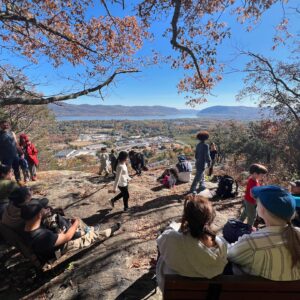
x=62, y=31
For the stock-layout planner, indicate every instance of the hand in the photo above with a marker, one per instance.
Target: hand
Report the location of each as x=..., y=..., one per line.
x=22, y=156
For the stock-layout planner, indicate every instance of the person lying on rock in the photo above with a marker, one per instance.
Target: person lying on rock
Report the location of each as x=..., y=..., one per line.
x=191, y=248
x=48, y=245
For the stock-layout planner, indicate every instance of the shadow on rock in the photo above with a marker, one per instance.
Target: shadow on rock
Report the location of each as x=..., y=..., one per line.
x=143, y=288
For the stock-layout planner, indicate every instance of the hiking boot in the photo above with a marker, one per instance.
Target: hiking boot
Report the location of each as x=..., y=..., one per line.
x=110, y=231
x=34, y=178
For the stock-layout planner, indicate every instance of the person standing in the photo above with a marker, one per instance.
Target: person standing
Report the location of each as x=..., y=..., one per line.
x=104, y=161
x=121, y=181
x=257, y=173
x=202, y=158
x=9, y=148
x=30, y=153
x=213, y=155
x=137, y=161
x=113, y=162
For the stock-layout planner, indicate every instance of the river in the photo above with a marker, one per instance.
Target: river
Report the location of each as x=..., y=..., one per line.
x=132, y=118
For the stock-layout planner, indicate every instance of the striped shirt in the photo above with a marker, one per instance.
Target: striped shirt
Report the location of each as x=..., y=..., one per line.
x=264, y=254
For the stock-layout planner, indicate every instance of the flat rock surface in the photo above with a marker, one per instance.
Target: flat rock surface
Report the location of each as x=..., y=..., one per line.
x=123, y=266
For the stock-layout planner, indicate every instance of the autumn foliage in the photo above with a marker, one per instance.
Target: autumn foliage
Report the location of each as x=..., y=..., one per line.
x=87, y=35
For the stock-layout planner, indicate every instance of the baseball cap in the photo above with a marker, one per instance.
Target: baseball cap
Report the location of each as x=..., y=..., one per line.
x=31, y=209
x=181, y=157
x=276, y=200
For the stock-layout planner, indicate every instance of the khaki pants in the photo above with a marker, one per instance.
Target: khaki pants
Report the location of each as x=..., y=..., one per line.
x=89, y=236
x=104, y=167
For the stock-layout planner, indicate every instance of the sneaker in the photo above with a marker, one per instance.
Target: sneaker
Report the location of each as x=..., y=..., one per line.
x=112, y=203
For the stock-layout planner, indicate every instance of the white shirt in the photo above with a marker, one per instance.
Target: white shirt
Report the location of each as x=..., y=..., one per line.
x=122, y=176
x=184, y=255
x=184, y=176
x=263, y=253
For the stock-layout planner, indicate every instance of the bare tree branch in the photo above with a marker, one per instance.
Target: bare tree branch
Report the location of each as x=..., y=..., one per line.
x=272, y=72
x=175, y=43
x=47, y=100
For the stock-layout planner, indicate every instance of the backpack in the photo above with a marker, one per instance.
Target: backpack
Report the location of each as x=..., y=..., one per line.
x=225, y=187
x=234, y=229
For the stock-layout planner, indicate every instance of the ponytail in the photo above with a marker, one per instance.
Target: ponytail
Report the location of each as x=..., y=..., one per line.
x=291, y=237
x=197, y=218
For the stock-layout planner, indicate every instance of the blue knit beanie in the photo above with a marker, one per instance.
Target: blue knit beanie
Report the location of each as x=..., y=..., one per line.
x=276, y=200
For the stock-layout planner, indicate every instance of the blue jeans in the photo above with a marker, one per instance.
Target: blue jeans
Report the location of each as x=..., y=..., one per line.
x=13, y=163
x=199, y=178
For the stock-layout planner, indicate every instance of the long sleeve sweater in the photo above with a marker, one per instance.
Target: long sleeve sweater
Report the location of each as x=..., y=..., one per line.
x=122, y=176
x=202, y=155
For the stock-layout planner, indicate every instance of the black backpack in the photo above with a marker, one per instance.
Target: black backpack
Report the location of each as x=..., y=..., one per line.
x=225, y=187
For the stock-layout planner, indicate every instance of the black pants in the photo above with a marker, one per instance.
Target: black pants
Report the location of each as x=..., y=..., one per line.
x=124, y=194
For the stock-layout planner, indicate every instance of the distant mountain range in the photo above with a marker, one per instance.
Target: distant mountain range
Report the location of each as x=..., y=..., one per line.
x=64, y=109
x=234, y=112
x=215, y=112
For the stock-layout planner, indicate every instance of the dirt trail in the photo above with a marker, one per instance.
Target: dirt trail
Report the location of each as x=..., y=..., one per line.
x=122, y=266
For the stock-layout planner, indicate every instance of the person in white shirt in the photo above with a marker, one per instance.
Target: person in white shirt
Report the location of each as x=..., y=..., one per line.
x=121, y=181
x=104, y=162
x=274, y=251
x=184, y=168
x=192, y=249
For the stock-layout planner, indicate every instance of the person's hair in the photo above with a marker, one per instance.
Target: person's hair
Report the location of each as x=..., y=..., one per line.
x=174, y=172
x=4, y=170
x=198, y=215
x=258, y=169
x=291, y=238
x=112, y=151
x=202, y=135
x=103, y=149
x=3, y=120
x=123, y=155
x=131, y=152
x=213, y=147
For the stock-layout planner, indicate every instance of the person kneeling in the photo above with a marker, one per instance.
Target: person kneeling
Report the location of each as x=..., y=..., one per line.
x=271, y=252
x=192, y=249
x=48, y=245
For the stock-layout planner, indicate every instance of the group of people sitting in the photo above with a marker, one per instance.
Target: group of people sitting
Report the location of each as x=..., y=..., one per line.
x=18, y=154
x=181, y=173
x=46, y=230
x=193, y=249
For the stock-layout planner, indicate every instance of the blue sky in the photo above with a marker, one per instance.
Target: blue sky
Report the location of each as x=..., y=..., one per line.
x=156, y=85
